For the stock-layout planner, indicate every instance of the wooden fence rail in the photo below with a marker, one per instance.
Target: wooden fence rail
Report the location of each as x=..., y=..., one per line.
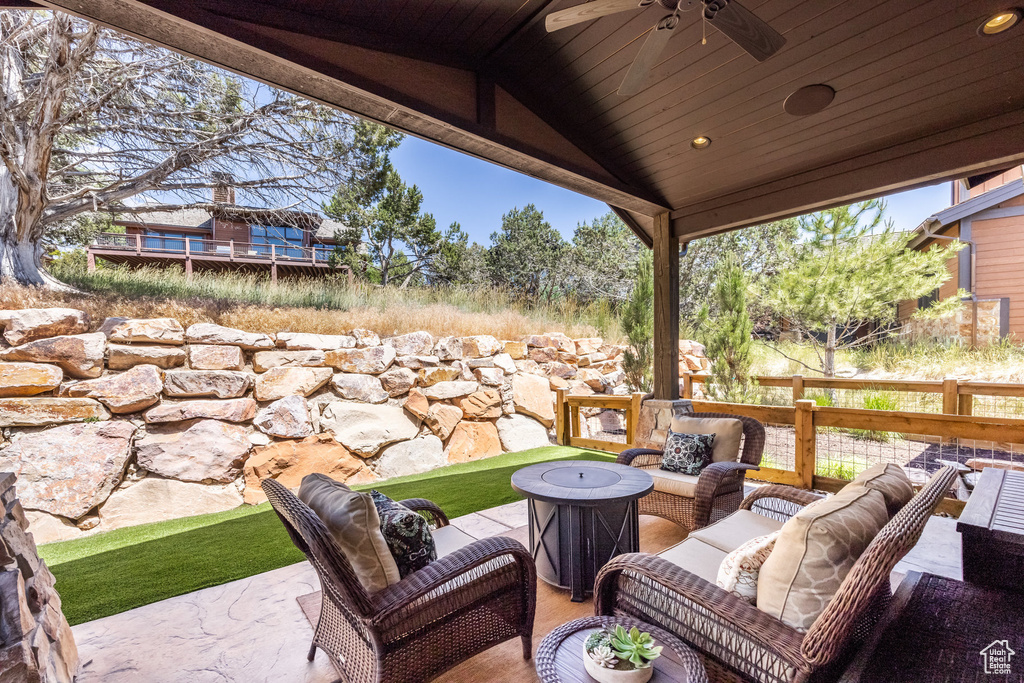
x=807, y=418
x=957, y=394
x=567, y=419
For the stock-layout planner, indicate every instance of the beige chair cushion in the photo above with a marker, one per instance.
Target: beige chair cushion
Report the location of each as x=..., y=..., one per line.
x=730, y=533
x=696, y=557
x=727, y=431
x=448, y=539
x=677, y=484
x=814, y=552
x=352, y=520
x=740, y=568
x=891, y=481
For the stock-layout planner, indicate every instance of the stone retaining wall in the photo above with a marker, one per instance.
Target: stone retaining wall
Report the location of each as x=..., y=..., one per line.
x=132, y=421
x=36, y=645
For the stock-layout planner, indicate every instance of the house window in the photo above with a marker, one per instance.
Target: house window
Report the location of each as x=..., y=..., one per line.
x=165, y=241
x=263, y=236
x=927, y=300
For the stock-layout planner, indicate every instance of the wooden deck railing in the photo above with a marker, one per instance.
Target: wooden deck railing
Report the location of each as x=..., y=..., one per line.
x=567, y=419
x=807, y=419
x=958, y=395
x=200, y=247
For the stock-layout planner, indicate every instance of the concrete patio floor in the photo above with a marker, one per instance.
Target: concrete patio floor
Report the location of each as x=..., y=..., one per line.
x=253, y=630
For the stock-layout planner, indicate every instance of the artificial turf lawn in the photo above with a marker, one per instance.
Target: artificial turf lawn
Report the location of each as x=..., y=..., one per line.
x=126, y=568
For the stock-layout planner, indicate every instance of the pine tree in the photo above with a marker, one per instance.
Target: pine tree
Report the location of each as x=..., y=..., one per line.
x=638, y=323
x=729, y=339
x=847, y=276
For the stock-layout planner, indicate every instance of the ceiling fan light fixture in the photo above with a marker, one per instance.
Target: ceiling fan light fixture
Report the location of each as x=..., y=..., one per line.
x=700, y=142
x=809, y=99
x=1001, y=21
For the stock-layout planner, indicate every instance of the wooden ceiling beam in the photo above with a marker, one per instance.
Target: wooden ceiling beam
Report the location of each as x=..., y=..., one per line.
x=984, y=145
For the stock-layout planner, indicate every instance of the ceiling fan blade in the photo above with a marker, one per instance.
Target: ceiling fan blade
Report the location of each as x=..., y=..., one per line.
x=743, y=27
x=648, y=55
x=588, y=11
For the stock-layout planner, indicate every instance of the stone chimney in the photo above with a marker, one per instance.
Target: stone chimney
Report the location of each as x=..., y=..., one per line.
x=223, y=191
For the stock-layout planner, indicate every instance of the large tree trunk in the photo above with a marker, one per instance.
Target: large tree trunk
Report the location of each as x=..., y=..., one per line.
x=21, y=251
x=25, y=166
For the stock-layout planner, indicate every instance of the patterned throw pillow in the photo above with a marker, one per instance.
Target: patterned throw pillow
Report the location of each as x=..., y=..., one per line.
x=687, y=453
x=740, y=568
x=407, y=534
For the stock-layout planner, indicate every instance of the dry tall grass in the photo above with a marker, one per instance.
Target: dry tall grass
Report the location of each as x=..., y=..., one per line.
x=252, y=303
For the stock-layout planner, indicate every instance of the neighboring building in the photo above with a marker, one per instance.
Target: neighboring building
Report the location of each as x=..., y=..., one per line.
x=987, y=214
x=227, y=237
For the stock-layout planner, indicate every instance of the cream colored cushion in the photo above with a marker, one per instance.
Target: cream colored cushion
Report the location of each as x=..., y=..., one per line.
x=677, y=484
x=727, y=431
x=730, y=533
x=695, y=557
x=448, y=539
x=740, y=568
x=351, y=519
x=891, y=481
x=814, y=552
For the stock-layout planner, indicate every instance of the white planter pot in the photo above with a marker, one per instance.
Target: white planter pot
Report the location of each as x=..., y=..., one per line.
x=603, y=675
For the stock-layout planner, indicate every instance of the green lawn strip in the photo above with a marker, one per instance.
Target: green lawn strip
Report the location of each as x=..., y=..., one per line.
x=119, y=570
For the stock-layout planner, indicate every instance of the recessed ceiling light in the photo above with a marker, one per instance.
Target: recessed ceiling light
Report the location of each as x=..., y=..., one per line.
x=809, y=99
x=700, y=142
x=1000, y=21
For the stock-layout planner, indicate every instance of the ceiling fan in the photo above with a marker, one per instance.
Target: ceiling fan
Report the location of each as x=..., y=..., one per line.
x=738, y=23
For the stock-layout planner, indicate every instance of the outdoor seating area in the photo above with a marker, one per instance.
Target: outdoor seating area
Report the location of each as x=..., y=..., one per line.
x=783, y=584
x=261, y=628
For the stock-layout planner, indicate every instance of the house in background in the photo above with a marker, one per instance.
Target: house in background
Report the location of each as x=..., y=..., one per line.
x=225, y=237
x=988, y=214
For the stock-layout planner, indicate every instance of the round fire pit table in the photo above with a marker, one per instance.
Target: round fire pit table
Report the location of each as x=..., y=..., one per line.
x=582, y=514
x=560, y=655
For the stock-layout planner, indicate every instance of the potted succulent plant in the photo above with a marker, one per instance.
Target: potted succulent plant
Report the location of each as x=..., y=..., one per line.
x=615, y=655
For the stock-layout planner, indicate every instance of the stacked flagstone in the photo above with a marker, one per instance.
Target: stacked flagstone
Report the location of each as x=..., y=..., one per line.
x=143, y=420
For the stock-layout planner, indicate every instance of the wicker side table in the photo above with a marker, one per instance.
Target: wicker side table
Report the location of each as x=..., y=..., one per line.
x=560, y=655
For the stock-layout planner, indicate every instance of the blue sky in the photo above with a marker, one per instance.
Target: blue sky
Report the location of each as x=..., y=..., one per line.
x=458, y=187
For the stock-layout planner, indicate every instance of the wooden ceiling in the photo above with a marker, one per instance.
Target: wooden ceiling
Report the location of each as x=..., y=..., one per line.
x=920, y=96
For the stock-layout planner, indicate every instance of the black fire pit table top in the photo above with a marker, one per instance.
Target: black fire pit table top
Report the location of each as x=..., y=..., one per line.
x=582, y=482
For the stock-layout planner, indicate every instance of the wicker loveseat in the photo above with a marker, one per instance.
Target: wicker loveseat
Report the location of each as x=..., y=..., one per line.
x=676, y=590
x=475, y=595
x=710, y=497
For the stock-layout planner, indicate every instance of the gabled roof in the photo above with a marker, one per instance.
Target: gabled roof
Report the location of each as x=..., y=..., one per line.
x=322, y=228
x=937, y=221
x=184, y=218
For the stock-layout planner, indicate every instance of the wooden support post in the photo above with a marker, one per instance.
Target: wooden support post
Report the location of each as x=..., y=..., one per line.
x=798, y=388
x=806, y=442
x=273, y=272
x=574, y=422
x=950, y=400
x=231, y=249
x=687, y=384
x=90, y=261
x=633, y=417
x=188, y=259
x=965, y=404
x=950, y=391
x=561, y=418
x=666, y=310
x=138, y=244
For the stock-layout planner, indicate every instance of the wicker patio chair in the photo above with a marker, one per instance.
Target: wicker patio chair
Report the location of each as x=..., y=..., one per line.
x=719, y=488
x=457, y=606
x=737, y=641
